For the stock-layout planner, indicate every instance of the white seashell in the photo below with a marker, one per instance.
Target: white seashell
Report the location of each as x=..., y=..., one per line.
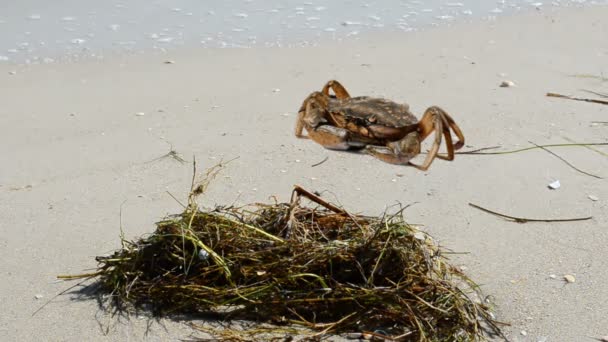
x=507, y=84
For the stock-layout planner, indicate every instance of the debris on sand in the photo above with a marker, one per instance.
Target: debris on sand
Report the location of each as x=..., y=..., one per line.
x=289, y=265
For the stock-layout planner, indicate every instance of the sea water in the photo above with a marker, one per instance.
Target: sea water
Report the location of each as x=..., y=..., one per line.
x=36, y=31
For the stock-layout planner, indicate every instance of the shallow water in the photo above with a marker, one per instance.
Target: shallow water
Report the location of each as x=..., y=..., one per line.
x=35, y=31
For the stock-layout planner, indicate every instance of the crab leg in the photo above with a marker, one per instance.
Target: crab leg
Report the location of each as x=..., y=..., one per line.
x=313, y=104
x=338, y=89
x=450, y=122
x=393, y=153
x=300, y=126
x=431, y=121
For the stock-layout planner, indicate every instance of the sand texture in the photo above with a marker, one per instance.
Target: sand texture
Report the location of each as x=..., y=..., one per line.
x=80, y=141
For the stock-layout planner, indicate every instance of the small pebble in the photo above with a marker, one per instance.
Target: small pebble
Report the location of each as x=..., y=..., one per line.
x=507, y=84
x=569, y=278
x=604, y=339
x=276, y=90
x=524, y=333
x=552, y=276
x=169, y=62
x=554, y=185
x=593, y=198
x=38, y=296
x=140, y=113
x=12, y=73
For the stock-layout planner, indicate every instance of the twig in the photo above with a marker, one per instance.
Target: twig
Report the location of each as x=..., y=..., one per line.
x=532, y=148
x=577, y=98
x=321, y=162
x=524, y=220
x=300, y=191
x=565, y=161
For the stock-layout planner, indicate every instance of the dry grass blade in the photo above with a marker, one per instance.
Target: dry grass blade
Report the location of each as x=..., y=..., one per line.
x=589, y=146
x=597, y=77
x=565, y=161
x=596, y=93
x=604, y=102
x=525, y=220
x=322, y=269
x=481, y=150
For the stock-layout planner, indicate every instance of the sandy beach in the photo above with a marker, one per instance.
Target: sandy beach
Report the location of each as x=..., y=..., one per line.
x=81, y=143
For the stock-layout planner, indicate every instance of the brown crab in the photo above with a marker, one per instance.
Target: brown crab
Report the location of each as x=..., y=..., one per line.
x=385, y=129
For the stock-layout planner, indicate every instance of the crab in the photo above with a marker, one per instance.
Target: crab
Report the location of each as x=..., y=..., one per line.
x=383, y=128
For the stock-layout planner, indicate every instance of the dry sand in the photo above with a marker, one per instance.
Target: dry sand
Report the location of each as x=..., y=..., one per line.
x=73, y=150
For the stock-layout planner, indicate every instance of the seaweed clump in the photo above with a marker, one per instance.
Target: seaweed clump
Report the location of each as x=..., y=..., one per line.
x=287, y=264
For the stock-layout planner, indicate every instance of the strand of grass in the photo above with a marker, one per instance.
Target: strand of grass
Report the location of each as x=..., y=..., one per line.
x=62, y=292
x=321, y=162
x=370, y=279
x=597, y=77
x=479, y=150
x=565, y=161
x=229, y=334
x=181, y=227
x=590, y=147
x=218, y=259
x=532, y=148
x=80, y=276
x=596, y=93
x=525, y=220
x=332, y=326
x=312, y=275
x=257, y=230
x=176, y=200
x=413, y=315
x=604, y=102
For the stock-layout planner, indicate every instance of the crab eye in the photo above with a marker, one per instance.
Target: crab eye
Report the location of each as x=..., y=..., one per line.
x=371, y=119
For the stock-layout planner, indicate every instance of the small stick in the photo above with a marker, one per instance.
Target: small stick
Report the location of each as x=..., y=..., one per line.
x=300, y=191
x=321, y=162
x=577, y=98
x=567, y=162
x=524, y=220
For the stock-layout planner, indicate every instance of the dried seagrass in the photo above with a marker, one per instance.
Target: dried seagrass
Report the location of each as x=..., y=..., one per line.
x=291, y=265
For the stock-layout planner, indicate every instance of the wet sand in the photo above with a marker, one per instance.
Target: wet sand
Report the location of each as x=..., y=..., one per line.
x=81, y=140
